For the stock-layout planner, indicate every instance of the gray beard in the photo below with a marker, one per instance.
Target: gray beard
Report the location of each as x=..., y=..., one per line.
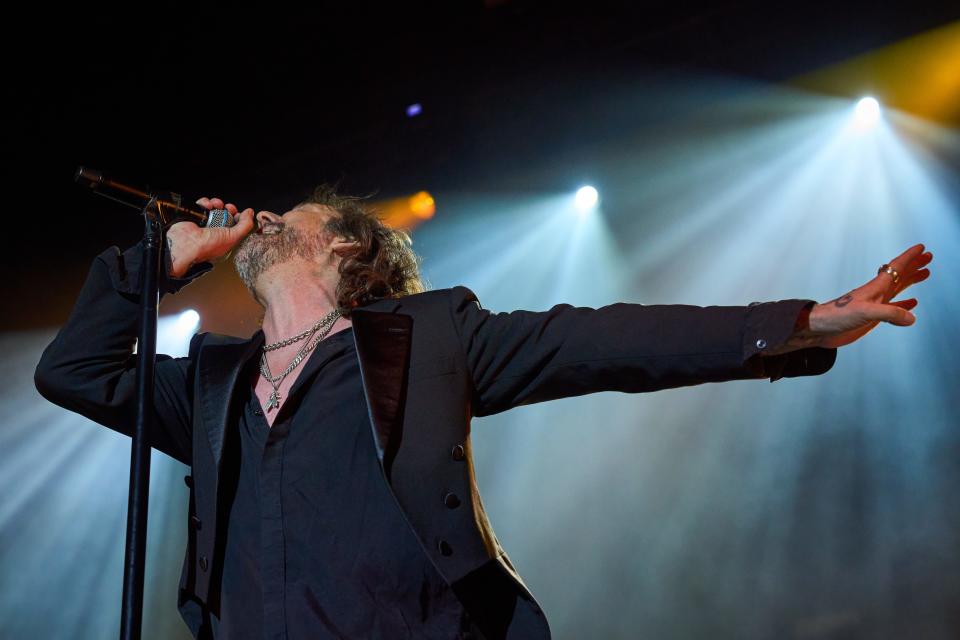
x=258, y=252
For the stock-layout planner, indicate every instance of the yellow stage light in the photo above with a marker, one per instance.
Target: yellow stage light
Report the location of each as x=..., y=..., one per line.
x=919, y=75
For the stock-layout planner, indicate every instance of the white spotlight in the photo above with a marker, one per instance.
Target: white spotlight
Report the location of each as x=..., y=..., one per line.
x=867, y=112
x=586, y=198
x=187, y=323
x=174, y=332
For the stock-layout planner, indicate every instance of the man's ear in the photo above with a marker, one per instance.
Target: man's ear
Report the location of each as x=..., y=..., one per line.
x=342, y=246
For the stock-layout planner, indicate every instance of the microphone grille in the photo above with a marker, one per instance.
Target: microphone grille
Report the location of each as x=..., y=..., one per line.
x=220, y=218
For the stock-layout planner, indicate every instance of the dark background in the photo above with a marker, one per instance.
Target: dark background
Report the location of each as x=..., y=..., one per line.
x=820, y=508
x=258, y=106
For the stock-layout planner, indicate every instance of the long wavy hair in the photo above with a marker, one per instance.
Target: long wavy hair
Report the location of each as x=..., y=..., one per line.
x=383, y=265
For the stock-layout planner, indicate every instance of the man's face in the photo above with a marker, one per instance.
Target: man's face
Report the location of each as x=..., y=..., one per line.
x=297, y=234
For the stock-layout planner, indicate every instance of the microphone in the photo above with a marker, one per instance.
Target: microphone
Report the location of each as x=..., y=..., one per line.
x=169, y=204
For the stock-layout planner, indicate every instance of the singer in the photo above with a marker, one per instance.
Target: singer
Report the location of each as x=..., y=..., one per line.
x=332, y=486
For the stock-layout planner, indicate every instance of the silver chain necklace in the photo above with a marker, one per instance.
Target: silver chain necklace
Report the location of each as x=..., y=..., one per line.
x=274, y=400
x=300, y=336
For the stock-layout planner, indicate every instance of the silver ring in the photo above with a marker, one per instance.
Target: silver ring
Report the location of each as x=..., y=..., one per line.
x=888, y=269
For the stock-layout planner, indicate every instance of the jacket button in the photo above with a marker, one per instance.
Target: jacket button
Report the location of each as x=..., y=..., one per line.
x=203, y=563
x=196, y=522
x=761, y=344
x=451, y=501
x=188, y=480
x=444, y=548
x=257, y=412
x=458, y=453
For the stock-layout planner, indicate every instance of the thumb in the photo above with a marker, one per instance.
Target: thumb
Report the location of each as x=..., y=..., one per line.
x=894, y=313
x=242, y=226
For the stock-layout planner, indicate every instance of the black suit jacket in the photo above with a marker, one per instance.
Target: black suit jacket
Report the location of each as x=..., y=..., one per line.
x=429, y=363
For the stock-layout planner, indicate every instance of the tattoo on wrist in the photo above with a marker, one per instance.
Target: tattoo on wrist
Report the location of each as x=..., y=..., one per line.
x=169, y=257
x=169, y=260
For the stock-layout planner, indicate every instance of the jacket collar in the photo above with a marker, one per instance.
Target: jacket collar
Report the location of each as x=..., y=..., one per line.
x=382, y=339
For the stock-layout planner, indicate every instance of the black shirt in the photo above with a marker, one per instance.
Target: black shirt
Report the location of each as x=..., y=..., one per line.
x=316, y=546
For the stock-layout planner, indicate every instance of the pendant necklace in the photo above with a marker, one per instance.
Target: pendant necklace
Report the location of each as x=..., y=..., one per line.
x=325, y=325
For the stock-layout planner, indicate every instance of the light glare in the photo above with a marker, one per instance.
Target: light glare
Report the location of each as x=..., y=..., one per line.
x=187, y=322
x=586, y=198
x=867, y=112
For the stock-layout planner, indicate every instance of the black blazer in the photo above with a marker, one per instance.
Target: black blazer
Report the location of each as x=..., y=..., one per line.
x=429, y=363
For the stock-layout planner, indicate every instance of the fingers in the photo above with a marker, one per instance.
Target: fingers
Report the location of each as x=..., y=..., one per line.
x=908, y=266
x=917, y=263
x=906, y=304
x=902, y=262
x=911, y=260
x=217, y=203
x=213, y=203
x=918, y=276
x=243, y=221
x=921, y=260
x=914, y=273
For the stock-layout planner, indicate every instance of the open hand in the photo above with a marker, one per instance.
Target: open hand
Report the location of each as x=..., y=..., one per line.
x=851, y=316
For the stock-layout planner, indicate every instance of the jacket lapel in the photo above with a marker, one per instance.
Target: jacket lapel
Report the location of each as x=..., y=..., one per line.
x=383, y=349
x=220, y=369
x=382, y=339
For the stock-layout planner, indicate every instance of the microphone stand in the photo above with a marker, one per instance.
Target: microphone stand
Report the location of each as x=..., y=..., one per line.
x=161, y=209
x=135, y=553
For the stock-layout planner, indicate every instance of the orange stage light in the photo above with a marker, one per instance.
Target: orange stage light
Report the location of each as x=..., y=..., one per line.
x=407, y=212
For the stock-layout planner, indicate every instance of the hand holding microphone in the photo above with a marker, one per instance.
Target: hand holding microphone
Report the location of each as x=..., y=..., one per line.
x=189, y=243
x=199, y=236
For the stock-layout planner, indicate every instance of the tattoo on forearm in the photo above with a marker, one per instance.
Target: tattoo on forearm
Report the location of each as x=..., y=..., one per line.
x=169, y=260
x=843, y=300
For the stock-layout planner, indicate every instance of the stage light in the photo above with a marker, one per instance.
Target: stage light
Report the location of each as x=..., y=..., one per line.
x=423, y=205
x=586, y=198
x=414, y=109
x=174, y=333
x=187, y=323
x=407, y=212
x=867, y=112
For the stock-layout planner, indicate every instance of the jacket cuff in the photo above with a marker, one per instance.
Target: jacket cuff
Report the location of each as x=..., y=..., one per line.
x=768, y=326
x=804, y=362
x=124, y=269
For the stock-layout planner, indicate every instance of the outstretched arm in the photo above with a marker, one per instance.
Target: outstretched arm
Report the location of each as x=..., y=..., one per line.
x=523, y=357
